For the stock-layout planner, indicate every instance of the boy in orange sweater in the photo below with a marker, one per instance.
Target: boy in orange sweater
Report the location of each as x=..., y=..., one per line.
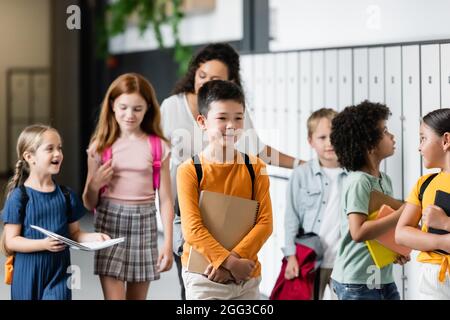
x=234, y=274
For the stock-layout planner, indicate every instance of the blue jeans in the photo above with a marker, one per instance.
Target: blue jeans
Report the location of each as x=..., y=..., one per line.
x=345, y=291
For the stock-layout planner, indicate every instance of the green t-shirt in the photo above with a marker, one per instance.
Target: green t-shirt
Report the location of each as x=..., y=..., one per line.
x=354, y=264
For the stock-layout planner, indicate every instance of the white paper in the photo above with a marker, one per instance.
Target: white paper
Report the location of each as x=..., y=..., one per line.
x=86, y=246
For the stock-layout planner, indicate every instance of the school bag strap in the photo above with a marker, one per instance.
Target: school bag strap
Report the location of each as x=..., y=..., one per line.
x=23, y=203
x=251, y=171
x=425, y=185
x=156, y=148
x=66, y=193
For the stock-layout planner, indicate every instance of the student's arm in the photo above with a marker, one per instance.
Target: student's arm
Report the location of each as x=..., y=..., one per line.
x=409, y=235
x=98, y=176
x=15, y=242
x=276, y=158
x=194, y=231
x=250, y=245
x=80, y=236
x=165, y=258
x=362, y=229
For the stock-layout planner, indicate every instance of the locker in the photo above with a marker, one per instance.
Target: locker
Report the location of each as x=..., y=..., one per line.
x=345, y=73
x=445, y=75
x=360, y=75
x=331, y=79
x=318, y=75
x=411, y=159
x=429, y=62
x=258, y=97
x=281, y=107
x=247, y=81
x=305, y=102
x=376, y=75
x=431, y=99
x=393, y=95
x=292, y=104
x=268, y=132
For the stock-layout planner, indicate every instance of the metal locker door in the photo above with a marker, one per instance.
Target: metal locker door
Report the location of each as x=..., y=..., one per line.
x=331, y=79
x=431, y=95
x=293, y=104
x=268, y=133
x=318, y=74
x=259, y=102
x=360, y=75
x=445, y=75
x=247, y=81
x=411, y=159
x=345, y=74
x=376, y=75
x=305, y=102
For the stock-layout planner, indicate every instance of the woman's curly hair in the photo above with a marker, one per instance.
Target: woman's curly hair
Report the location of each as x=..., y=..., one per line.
x=355, y=131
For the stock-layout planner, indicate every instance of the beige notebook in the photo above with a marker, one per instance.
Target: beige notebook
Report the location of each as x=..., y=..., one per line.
x=227, y=218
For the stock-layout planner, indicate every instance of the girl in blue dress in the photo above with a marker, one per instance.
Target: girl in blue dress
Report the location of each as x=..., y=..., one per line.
x=40, y=263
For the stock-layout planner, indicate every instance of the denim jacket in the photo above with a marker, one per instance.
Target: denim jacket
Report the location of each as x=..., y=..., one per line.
x=307, y=192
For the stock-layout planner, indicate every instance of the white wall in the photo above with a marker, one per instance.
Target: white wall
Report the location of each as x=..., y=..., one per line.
x=25, y=34
x=223, y=24
x=304, y=24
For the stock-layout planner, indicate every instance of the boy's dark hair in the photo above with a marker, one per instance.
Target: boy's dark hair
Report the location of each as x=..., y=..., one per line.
x=355, y=131
x=438, y=120
x=214, y=51
x=218, y=90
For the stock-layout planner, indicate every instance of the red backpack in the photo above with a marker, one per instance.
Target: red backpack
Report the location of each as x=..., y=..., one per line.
x=156, y=150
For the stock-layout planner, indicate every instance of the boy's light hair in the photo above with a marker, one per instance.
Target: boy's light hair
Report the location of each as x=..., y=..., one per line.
x=315, y=117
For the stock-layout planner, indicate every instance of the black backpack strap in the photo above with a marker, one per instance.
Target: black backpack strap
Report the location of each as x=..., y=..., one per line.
x=198, y=168
x=23, y=203
x=66, y=193
x=250, y=171
x=425, y=185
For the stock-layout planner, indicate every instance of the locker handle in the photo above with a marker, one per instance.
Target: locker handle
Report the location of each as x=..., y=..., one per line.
x=448, y=79
x=375, y=79
x=317, y=79
x=344, y=79
x=410, y=79
x=429, y=80
x=392, y=79
x=360, y=79
x=330, y=80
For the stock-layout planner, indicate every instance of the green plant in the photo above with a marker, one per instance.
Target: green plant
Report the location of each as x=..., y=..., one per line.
x=152, y=13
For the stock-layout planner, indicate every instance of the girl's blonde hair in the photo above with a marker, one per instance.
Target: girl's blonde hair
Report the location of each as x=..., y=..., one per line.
x=107, y=130
x=29, y=141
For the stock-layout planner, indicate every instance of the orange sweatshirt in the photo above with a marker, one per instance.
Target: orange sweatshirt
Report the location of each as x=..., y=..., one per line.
x=231, y=179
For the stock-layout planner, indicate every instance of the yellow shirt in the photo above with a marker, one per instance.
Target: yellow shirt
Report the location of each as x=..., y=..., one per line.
x=440, y=182
x=231, y=179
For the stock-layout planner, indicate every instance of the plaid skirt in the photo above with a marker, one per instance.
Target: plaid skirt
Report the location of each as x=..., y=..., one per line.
x=135, y=259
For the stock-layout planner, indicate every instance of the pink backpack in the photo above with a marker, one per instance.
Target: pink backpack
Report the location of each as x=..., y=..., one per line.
x=156, y=149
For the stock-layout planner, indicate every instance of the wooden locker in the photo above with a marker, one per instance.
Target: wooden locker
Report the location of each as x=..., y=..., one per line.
x=345, y=74
x=331, y=79
x=305, y=102
x=360, y=75
x=445, y=75
x=318, y=75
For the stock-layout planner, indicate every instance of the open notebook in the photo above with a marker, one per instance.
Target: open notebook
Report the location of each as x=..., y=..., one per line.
x=85, y=246
x=227, y=218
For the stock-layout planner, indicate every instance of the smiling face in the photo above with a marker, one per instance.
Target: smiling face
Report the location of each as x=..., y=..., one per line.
x=224, y=122
x=210, y=70
x=129, y=110
x=47, y=158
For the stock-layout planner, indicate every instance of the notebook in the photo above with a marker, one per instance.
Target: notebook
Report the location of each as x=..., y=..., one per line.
x=442, y=199
x=384, y=250
x=227, y=218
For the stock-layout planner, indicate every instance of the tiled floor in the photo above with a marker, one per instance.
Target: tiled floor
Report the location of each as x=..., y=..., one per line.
x=89, y=287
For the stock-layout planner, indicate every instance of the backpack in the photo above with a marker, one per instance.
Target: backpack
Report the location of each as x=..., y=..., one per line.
x=156, y=150
x=425, y=185
x=178, y=239
x=9, y=263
